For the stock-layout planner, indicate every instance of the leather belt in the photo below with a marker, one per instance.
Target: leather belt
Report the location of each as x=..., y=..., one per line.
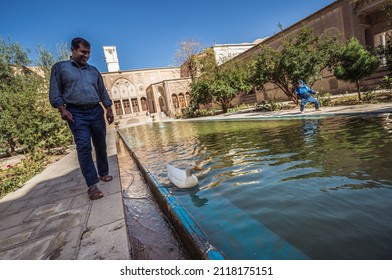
x=82, y=107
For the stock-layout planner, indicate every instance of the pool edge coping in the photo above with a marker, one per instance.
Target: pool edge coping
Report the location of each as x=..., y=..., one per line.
x=190, y=234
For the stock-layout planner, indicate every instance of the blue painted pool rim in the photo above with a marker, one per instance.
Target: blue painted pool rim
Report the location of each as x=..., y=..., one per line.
x=191, y=235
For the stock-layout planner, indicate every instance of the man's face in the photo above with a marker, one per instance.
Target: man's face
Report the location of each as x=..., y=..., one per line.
x=81, y=55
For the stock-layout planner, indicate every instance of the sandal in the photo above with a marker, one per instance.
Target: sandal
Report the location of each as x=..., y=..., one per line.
x=106, y=178
x=94, y=193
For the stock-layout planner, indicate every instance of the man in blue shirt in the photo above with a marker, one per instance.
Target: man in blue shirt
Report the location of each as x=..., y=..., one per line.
x=303, y=92
x=76, y=90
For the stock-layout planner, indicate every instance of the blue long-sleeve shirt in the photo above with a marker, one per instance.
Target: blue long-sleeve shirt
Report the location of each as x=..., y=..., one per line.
x=71, y=84
x=303, y=91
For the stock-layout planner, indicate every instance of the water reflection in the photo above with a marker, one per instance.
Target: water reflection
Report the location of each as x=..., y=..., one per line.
x=321, y=187
x=387, y=123
x=197, y=200
x=311, y=129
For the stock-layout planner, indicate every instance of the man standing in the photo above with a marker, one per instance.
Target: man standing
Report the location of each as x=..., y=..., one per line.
x=76, y=90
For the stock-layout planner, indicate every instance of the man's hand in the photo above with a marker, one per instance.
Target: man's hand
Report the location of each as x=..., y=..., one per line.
x=65, y=114
x=109, y=115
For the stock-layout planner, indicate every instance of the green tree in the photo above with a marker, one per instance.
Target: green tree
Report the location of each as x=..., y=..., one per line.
x=12, y=58
x=303, y=57
x=27, y=121
x=46, y=59
x=221, y=84
x=356, y=63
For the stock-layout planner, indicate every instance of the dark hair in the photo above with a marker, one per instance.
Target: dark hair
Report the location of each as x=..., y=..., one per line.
x=76, y=42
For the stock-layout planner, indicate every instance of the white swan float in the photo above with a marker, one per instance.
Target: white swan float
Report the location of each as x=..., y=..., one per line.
x=183, y=179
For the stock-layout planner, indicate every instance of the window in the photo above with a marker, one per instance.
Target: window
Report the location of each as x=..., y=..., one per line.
x=135, y=105
x=117, y=108
x=127, y=108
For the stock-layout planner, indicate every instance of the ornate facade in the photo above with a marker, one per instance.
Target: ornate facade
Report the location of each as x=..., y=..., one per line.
x=128, y=89
x=169, y=97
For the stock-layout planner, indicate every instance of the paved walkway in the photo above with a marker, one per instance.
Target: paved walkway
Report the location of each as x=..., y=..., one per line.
x=51, y=217
x=338, y=110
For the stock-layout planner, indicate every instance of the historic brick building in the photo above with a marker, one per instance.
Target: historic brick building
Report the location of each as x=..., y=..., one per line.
x=363, y=19
x=165, y=91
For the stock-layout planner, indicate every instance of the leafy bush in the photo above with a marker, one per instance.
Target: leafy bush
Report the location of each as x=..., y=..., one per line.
x=238, y=108
x=387, y=82
x=14, y=176
x=27, y=120
x=188, y=113
x=272, y=105
x=324, y=99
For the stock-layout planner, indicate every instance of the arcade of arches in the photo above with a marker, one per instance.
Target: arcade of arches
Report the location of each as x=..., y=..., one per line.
x=133, y=94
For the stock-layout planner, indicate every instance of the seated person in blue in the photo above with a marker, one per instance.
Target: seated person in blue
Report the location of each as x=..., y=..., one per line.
x=303, y=92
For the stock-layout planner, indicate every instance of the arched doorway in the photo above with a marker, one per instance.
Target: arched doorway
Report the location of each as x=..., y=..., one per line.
x=161, y=104
x=181, y=100
x=175, y=102
x=143, y=101
x=188, y=99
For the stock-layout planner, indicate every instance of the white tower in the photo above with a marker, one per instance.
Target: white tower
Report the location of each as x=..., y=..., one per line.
x=111, y=58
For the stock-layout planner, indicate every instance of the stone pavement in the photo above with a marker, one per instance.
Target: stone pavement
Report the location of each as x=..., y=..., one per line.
x=51, y=217
x=336, y=111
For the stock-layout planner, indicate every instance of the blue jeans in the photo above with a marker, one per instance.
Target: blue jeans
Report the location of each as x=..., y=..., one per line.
x=89, y=126
x=311, y=99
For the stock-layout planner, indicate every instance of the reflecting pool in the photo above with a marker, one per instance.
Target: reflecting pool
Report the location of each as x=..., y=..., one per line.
x=297, y=188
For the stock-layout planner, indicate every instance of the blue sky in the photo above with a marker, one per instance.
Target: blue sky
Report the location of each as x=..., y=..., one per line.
x=146, y=33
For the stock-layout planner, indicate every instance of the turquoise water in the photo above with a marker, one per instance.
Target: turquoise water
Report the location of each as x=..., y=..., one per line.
x=282, y=189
